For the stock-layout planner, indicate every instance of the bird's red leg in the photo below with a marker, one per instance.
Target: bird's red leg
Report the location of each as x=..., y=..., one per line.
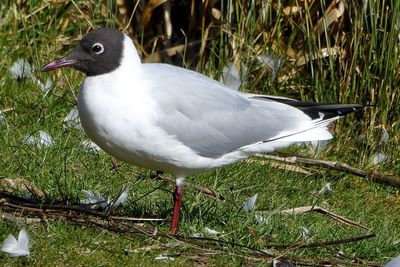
x=178, y=194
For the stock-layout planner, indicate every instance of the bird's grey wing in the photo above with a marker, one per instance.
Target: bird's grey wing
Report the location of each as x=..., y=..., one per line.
x=210, y=118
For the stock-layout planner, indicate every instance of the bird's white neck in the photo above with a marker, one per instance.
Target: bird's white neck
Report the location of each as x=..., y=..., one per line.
x=130, y=55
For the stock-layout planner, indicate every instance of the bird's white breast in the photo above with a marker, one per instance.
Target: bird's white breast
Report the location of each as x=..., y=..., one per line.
x=116, y=114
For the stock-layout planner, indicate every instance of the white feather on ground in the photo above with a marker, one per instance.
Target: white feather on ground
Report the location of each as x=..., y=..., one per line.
x=95, y=199
x=327, y=188
x=41, y=139
x=21, y=69
x=90, y=145
x=16, y=247
x=72, y=119
x=250, y=203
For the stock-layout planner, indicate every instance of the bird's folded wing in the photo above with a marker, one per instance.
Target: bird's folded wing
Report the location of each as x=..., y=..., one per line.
x=212, y=119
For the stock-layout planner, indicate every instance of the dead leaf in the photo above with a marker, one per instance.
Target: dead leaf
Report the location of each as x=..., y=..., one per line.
x=324, y=52
x=216, y=13
x=333, y=15
x=292, y=10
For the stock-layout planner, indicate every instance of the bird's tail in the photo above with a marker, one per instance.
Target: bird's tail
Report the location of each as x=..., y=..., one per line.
x=315, y=110
x=320, y=114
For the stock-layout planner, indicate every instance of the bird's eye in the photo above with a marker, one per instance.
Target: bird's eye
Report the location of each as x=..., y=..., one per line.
x=98, y=48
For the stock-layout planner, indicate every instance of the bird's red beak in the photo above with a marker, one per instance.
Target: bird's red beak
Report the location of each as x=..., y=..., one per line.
x=59, y=63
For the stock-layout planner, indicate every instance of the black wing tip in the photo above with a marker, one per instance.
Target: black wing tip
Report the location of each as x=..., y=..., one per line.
x=329, y=110
x=313, y=110
x=343, y=109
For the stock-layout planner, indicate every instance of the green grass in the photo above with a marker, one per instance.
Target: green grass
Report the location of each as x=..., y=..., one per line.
x=368, y=74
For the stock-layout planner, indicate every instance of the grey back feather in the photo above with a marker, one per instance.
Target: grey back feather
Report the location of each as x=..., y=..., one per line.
x=212, y=119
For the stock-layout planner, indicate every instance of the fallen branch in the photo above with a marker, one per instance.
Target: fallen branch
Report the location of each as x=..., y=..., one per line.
x=374, y=176
x=282, y=166
x=10, y=203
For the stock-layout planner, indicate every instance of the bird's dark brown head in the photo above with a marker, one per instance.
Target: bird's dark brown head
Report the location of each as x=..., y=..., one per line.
x=99, y=52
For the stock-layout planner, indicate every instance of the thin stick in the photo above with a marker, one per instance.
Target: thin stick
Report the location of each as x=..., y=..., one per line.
x=339, y=166
x=300, y=210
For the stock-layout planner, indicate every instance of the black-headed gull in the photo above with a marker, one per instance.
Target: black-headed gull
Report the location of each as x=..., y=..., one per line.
x=167, y=118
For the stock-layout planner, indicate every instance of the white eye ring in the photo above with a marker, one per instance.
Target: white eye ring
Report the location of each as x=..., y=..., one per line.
x=98, y=48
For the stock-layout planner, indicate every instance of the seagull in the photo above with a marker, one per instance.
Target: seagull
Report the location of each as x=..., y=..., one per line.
x=167, y=118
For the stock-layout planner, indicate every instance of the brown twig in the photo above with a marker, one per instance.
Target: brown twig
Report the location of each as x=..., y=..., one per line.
x=334, y=216
x=339, y=166
x=8, y=201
